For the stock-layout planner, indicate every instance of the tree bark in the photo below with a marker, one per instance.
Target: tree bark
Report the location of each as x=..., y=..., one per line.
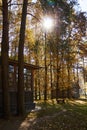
x=45, y=64
x=4, y=58
x=21, y=108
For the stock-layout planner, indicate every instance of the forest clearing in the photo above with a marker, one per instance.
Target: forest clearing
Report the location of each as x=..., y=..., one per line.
x=43, y=65
x=51, y=116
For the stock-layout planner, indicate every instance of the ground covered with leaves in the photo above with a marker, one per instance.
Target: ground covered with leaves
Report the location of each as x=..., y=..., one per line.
x=49, y=115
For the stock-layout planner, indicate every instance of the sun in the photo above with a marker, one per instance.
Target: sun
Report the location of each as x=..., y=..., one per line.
x=47, y=23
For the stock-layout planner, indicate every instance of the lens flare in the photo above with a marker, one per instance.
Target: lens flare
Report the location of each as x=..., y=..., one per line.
x=51, y=2
x=47, y=23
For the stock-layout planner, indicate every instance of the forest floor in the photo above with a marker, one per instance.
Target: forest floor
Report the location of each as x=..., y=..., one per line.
x=49, y=115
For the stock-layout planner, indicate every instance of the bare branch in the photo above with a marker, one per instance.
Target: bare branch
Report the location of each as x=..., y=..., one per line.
x=9, y=1
x=33, y=16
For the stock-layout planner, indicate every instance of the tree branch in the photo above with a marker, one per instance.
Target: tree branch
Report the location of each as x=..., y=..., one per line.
x=33, y=16
x=9, y=1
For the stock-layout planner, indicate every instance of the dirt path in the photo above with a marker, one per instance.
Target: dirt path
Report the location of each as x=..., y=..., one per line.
x=26, y=124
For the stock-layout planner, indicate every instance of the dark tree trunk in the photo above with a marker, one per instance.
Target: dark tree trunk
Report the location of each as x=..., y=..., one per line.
x=45, y=87
x=57, y=85
x=51, y=74
x=4, y=58
x=39, y=85
x=21, y=108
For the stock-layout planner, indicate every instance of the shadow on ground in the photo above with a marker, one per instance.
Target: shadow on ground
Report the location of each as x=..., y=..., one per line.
x=51, y=116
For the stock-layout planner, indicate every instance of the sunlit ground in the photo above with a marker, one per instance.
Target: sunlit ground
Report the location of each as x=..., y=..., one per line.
x=69, y=116
x=49, y=115
x=80, y=102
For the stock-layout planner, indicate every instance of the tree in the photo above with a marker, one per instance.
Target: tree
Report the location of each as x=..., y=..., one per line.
x=21, y=60
x=4, y=58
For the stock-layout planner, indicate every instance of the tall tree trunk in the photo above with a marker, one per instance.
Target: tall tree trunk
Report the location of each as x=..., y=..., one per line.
x=4, y=56
x=68, y=72
x=36, y=87
x=39, y=85
x=51, y=74
x=45, y=87
x=21, y=108
x=57, y=85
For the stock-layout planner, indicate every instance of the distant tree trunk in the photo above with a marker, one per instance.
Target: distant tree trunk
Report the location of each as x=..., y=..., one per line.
x=39, y=85
x=68, y=72
x=4, y=56
x=36, y=87
x=37, y=78
x=57, y=85
x=51, y=74
x=45, y=87
x=21, y=108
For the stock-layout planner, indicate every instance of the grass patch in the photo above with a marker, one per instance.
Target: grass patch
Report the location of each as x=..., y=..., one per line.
x=48, y=108
x=69, y=116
